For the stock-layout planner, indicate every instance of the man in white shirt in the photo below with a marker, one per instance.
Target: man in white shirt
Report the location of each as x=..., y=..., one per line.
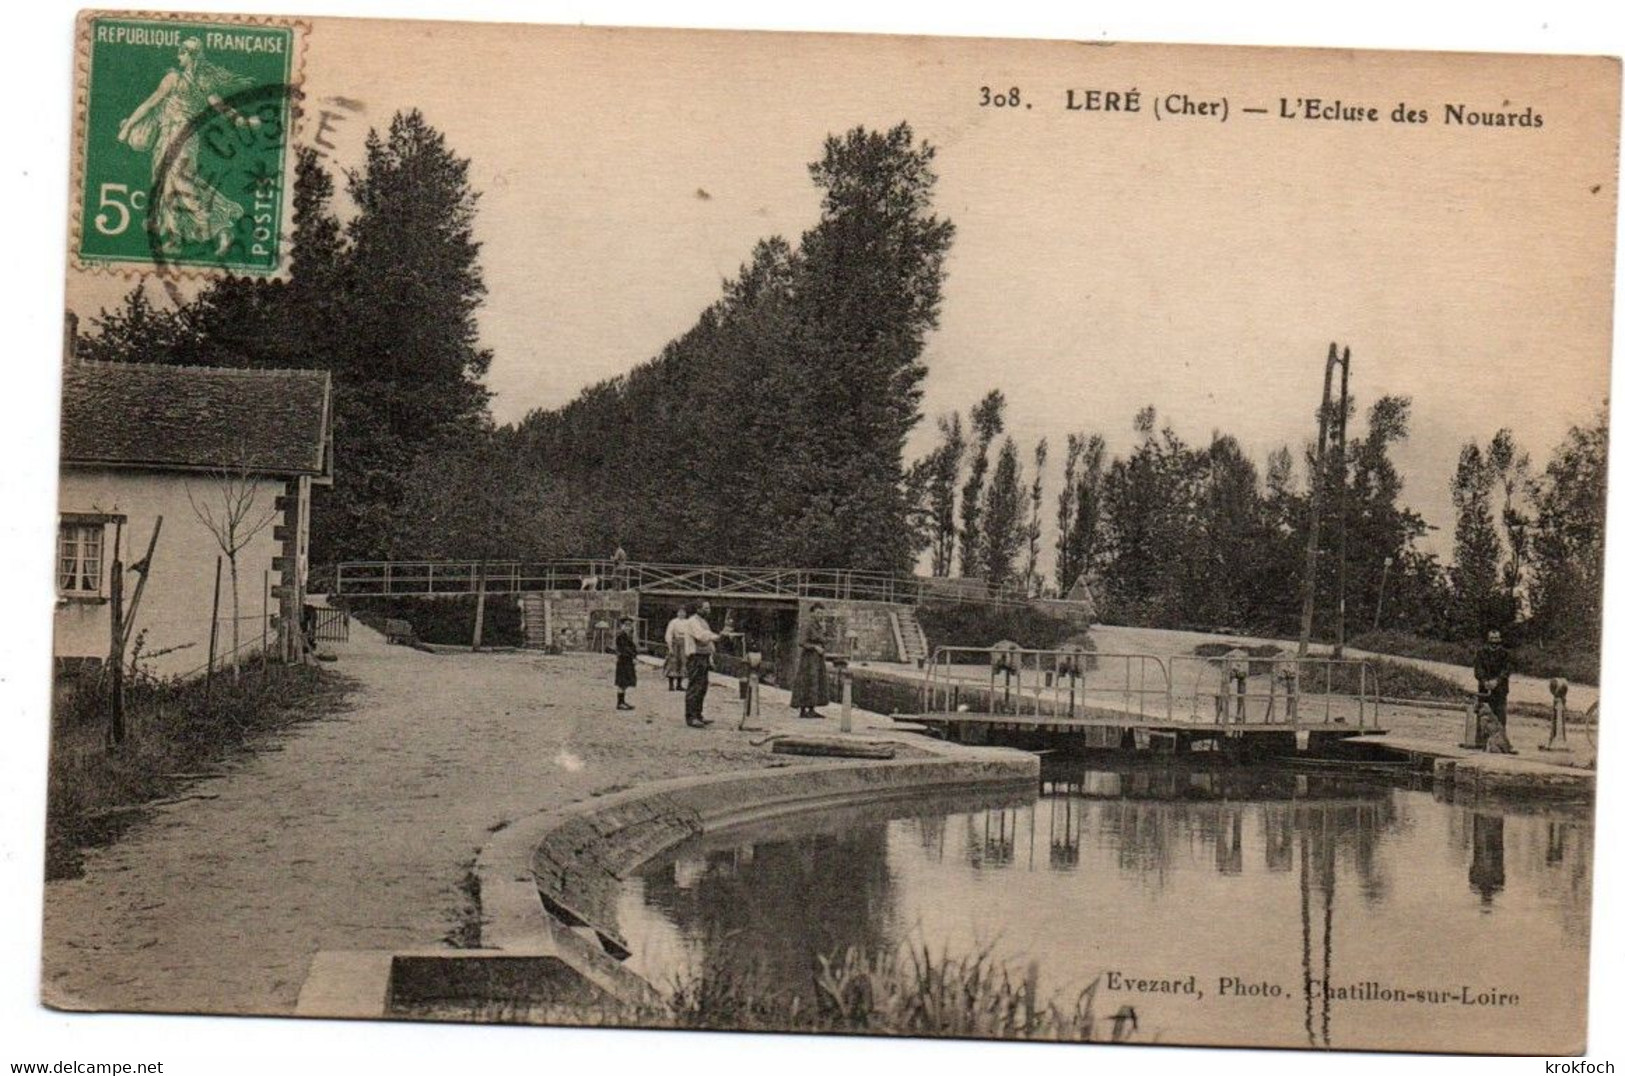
x=702, y=644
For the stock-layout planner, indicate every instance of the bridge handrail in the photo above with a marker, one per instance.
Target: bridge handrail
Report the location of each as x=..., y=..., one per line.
x=1294, y=684
x=449, y=577
x=940, y=690
x=1073, y=663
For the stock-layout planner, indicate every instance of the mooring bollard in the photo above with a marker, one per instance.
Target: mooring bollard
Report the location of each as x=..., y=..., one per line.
x=1469, y=734
x=1560, y=705
x=751, y=688
x=844, y=675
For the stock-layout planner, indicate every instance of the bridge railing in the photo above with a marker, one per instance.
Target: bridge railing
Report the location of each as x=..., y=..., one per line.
x=1278, y=690
x=401, y=578
x=1059, y=684
x=1070, y=683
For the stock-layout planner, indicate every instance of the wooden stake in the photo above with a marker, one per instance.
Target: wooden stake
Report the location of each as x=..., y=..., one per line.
x=214, y=631
x=115, y=660
x=265, y=628
x=479, y=608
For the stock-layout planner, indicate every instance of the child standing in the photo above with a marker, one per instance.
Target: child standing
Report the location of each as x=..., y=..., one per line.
x=626, y=667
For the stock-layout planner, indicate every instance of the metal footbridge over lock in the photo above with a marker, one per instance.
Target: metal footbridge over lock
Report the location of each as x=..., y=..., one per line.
x=1147, y=701
x=767, y=585
x=970, y=693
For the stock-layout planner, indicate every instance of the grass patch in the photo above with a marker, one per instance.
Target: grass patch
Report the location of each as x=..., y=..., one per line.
x=1574, y=661
x=1395, y=679
x=896, y=992
x=1401, y=681
x=468, y=919
x=174, y=733
x=972, y=625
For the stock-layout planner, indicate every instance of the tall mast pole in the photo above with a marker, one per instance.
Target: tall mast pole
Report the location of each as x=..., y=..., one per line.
x=1342, y=508
x=1315, y=485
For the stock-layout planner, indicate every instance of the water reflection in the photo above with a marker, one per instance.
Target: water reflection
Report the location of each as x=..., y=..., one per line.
x=1289, y=881
x=770, y=908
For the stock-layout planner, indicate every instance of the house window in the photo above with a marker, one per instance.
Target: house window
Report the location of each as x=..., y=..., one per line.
x=79, y=559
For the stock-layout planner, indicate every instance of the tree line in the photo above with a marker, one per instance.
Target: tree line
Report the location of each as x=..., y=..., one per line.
x=773, y=430
x=1173, y=534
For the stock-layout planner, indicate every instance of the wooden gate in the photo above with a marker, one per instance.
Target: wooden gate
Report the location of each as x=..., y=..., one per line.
x=332, y=626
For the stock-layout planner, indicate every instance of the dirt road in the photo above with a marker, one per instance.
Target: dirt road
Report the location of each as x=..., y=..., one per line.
x=355, y=832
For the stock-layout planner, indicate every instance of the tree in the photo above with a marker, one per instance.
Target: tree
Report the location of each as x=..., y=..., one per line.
x=1382, y=532
x=1475, y=573
x=942, y=475
x=1004, y=530
x=772, y=431
x=987, y=422
x=1511, y=467
x=1218, y=579
x=1566, y=550
x=1031, y=580
x=386, y=303
x=236, y=508
x=1149, y=509
x=1077, y=509
x=480, y=500
x=867, y=291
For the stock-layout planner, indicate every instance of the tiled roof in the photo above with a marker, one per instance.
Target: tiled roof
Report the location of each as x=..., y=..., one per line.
x=148, y=415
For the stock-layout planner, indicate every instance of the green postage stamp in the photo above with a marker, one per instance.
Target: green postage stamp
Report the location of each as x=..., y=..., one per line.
x=183, y=143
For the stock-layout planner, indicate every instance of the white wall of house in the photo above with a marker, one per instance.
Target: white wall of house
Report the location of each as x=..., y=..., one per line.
x=176, y=603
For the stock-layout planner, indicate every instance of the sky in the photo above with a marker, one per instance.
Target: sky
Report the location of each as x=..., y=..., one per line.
x=1102, y=261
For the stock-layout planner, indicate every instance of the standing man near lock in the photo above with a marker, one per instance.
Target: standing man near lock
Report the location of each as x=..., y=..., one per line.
x=702, y=645
x=1492, y=668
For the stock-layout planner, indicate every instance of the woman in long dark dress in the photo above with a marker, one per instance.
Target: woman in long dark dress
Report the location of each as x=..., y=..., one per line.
x=811, y=687
x=626, y=664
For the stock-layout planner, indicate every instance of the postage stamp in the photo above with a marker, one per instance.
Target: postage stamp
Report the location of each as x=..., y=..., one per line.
x=183, y=143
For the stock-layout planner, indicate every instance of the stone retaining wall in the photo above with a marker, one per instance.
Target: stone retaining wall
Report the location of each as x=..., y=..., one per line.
x=561, y=871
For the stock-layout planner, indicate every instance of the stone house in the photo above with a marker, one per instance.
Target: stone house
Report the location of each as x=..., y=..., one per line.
x=221, y=455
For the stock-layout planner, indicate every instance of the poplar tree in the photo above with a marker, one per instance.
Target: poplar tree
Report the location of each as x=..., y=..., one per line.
x=987, y=422
x=1004, y=531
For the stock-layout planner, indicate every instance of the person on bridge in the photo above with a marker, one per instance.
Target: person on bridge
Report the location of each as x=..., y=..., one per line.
x=1492, y=668
x=676, y=648
x=619, y=579
x=811, y=687
x=702, y=644
x=626, y=663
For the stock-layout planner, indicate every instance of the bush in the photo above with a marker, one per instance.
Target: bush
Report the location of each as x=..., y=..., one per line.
x=448, y=621
x=172, y=729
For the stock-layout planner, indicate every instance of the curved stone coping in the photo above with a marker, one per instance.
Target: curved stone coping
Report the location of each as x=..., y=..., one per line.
x=549, y=881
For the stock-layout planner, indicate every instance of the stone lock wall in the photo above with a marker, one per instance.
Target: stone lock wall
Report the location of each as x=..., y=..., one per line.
x=570, y=619
x=871, y=621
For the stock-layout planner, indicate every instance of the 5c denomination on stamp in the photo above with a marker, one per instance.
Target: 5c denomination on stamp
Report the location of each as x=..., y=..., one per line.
x=183, y=142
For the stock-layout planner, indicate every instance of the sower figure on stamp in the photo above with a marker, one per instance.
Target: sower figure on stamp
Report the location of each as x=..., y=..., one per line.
x=1492, y=668
x=676, y=648
x=702, y=643
x=811, y=687
x=189, y=210
x=626, y=663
